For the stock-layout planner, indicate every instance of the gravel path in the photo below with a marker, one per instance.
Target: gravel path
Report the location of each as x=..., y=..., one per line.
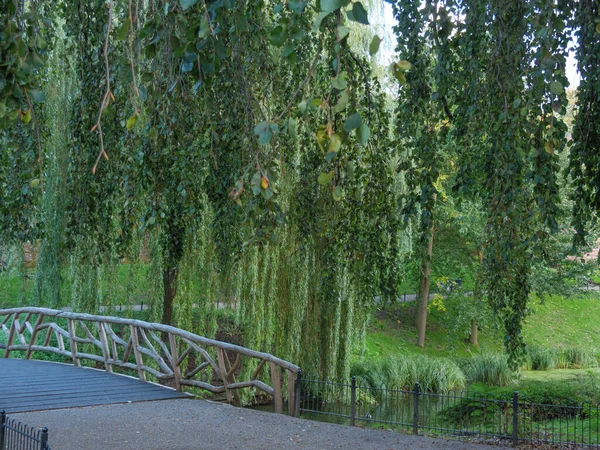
x=197, y=424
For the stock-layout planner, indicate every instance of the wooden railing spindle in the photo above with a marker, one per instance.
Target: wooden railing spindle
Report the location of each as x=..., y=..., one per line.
x=73, y=342
x=104, y=343
x=34, y=335
x=11, y=336
x=175, y=362
x=139, y=360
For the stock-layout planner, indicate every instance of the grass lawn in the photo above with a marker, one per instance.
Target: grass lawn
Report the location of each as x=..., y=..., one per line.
x=567, y=375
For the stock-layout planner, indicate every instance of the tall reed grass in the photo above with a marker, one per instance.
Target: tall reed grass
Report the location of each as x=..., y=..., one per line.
x=560, y=358
x=489, y=368
x=432, y=374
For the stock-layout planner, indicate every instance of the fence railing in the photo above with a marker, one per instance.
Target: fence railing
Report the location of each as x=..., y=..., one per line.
x=451, y=414
x=168, y=354
x=15, y=435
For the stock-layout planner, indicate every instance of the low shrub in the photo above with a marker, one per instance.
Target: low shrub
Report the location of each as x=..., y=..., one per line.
x=538, y=400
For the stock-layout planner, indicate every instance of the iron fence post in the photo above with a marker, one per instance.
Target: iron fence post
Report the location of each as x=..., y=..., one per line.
x=416, y=409
x=515, y=430
x=298, y=389
x=43, y=439
x=2, y=422
x=352, y=401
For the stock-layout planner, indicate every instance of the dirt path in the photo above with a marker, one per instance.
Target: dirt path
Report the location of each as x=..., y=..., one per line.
x=197, y=424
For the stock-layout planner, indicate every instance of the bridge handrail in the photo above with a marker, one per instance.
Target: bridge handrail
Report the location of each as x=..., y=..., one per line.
x=175, y=346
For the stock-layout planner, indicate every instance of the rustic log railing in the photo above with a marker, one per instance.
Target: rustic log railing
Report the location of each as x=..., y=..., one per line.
x=168, y=354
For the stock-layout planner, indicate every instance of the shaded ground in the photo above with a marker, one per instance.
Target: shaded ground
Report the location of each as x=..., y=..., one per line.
x=197, y=424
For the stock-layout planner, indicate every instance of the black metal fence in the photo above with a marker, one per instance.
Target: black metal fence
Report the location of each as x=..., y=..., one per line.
x=449, y=414
x=15, y=435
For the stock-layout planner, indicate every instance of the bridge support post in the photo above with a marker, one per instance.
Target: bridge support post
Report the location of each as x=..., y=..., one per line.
x=291, y=393
x=298, y=393
x=276, y=382
x=2, y=423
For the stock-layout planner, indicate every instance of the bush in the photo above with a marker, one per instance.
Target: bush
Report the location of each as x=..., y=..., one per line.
x=484, y=405
x=488, y=368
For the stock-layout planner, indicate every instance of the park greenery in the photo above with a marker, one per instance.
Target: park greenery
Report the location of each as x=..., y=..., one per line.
x=191, y=154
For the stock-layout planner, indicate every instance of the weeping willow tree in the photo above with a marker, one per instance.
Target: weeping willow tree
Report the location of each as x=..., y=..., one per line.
x=504, y=65
x=213, y=131
x=250, y=145
x=61, y=90
x=584, y=166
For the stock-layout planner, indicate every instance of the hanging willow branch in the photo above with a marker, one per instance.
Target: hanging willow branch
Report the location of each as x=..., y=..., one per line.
x=131, y=61
x=301, y=85
x=108, y=95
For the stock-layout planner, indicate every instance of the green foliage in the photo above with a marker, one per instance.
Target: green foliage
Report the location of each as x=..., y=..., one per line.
x=60, y=86
x=584, y=163
x=483, y=406
x=292, y=213
x=22, y=49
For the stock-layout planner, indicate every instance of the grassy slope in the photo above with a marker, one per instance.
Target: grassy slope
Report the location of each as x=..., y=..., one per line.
x=561, y=322
x=558, y=322
x=393, y=333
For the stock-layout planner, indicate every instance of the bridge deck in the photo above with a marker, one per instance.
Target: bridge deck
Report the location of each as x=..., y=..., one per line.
x=39, y=385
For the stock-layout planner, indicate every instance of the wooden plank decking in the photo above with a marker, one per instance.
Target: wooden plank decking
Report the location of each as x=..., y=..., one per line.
x=40, y=385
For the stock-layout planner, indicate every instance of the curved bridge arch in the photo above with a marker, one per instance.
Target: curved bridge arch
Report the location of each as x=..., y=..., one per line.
x=166, y=353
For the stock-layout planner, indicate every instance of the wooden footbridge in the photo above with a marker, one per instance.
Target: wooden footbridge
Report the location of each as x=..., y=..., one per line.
x=131, y=360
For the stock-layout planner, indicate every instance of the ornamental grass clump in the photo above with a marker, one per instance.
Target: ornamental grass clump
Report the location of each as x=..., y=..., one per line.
x=489, y=368
x=432, y=374
x=575, y=358
x=539, y=358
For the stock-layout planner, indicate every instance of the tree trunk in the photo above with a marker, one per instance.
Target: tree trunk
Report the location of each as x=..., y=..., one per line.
x=170, y=275
x=474, y=331
x=473, y=338
x=424, y=284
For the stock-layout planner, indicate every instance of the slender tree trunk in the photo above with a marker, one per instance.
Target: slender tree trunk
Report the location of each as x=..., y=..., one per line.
x=174, y=235
x=473, y=338
x=424, y=284
x=474, y=331
x=170, y=275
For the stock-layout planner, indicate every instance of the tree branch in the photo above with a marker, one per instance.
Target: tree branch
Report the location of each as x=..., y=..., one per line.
x=107, y=94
